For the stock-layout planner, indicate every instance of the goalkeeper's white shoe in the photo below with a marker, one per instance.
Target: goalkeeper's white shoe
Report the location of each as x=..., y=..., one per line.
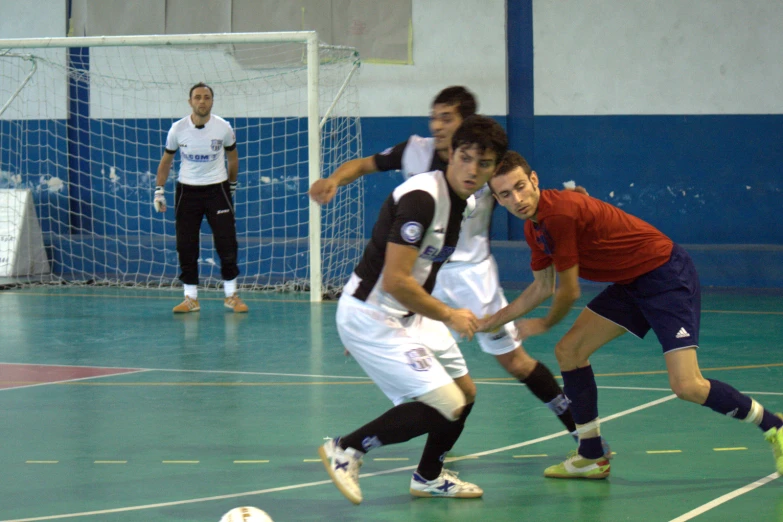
x=187, y=306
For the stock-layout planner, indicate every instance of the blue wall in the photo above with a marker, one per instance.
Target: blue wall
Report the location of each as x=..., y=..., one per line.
x=690, y=174
x=712, y=183
x=112, y=230
x=700, y=179
x=686, y=175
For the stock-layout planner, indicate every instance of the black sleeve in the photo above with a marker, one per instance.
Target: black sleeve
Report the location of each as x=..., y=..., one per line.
x=413, y=216
x=170, y=151
x=391, y=158
x=232, y=147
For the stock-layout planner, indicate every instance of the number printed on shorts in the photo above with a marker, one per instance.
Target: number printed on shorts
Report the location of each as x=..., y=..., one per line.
x=420, y=359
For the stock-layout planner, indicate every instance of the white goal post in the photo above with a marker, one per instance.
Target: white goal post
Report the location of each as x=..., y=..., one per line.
x=83, y=123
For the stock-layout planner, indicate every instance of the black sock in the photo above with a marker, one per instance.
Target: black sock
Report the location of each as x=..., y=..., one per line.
x=725, y=399
x=439, y=442
x=399, y=424
x=544, y=386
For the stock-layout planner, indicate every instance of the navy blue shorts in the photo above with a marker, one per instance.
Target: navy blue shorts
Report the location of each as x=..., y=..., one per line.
x=667, y=299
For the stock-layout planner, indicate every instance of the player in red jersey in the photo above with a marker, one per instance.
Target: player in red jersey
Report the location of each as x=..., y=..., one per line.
x=654, y=286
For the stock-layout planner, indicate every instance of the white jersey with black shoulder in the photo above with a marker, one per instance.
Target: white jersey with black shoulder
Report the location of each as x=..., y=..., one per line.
x=425, y=213
x=417, y=155
x=202, y=149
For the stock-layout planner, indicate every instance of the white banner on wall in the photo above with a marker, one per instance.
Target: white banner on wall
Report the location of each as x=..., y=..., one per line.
x=21, y=241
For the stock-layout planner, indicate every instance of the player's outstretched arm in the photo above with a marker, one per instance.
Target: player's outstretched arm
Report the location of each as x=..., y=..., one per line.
x=567, y=293
x=542, y=287
x=159, y=199
x=399, y=282
x=324, y=190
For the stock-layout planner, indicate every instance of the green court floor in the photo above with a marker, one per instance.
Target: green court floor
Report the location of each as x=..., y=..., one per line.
x=112, y=408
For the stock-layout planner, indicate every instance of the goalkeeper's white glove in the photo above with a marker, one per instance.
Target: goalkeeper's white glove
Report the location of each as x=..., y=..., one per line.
x=232, y=187
x=159, y=201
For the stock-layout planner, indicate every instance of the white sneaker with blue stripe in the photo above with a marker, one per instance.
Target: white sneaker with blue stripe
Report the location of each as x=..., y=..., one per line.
x=343, y=468
x=446, y=485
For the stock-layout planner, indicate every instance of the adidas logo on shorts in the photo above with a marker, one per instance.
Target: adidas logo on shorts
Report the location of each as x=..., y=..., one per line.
x=682, y=333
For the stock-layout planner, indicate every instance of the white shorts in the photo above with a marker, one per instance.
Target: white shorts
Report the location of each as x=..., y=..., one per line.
x=476, y=286
x=405, y=357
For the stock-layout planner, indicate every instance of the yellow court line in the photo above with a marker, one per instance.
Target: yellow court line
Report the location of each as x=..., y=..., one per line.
x=180, y=461
x=740, y=448
x=159, y=297
x=656, y=452
x=41, y=461
x=312, y=460
x=530, y=456
x=332, y=383
x=85, y=383
x=741, y=312
x=651, y=372
x=319, y=383
x=110, y=462
x=251, y=461
x=719, y=369
x=305, y=300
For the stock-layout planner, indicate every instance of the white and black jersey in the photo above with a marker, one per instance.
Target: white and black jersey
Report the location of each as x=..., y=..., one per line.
x=412, y=157
x=473, y=246
x=424, y=212
x=418, y=155
x=202, y=149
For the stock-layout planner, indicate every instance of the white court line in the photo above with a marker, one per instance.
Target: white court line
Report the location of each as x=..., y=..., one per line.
x=319, y=376
x=322, y=482
x=70, y=380
x=230, y=372
x=725, y=498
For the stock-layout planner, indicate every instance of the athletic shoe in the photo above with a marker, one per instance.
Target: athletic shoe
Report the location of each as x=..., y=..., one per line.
x=775, y=437
x=446, y=485
x=576, y=466
x=604, y=445
x=235, y=303
x=343, y=468
x=187, y=306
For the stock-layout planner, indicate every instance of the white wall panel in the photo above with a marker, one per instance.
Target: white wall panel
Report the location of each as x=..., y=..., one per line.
x=658, y=57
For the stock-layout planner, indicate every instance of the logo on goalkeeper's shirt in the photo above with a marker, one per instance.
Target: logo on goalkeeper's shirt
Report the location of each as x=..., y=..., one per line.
x=216, y=144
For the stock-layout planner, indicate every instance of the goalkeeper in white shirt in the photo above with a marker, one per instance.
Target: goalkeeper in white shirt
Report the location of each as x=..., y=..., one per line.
x=205, y=187
x=470, y=278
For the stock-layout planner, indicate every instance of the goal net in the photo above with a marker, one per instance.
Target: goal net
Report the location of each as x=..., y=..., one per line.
x=83, y=124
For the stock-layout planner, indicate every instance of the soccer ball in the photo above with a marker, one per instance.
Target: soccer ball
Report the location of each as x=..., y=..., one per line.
x=246, y=514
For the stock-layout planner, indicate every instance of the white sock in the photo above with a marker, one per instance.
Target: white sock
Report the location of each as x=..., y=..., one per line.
x=191, y=291
x=230, y=287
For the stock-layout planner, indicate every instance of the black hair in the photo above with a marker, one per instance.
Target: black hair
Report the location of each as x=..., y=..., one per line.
x=459, y=96
x=512, y=160
x=198, y=86
x=483, y=132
